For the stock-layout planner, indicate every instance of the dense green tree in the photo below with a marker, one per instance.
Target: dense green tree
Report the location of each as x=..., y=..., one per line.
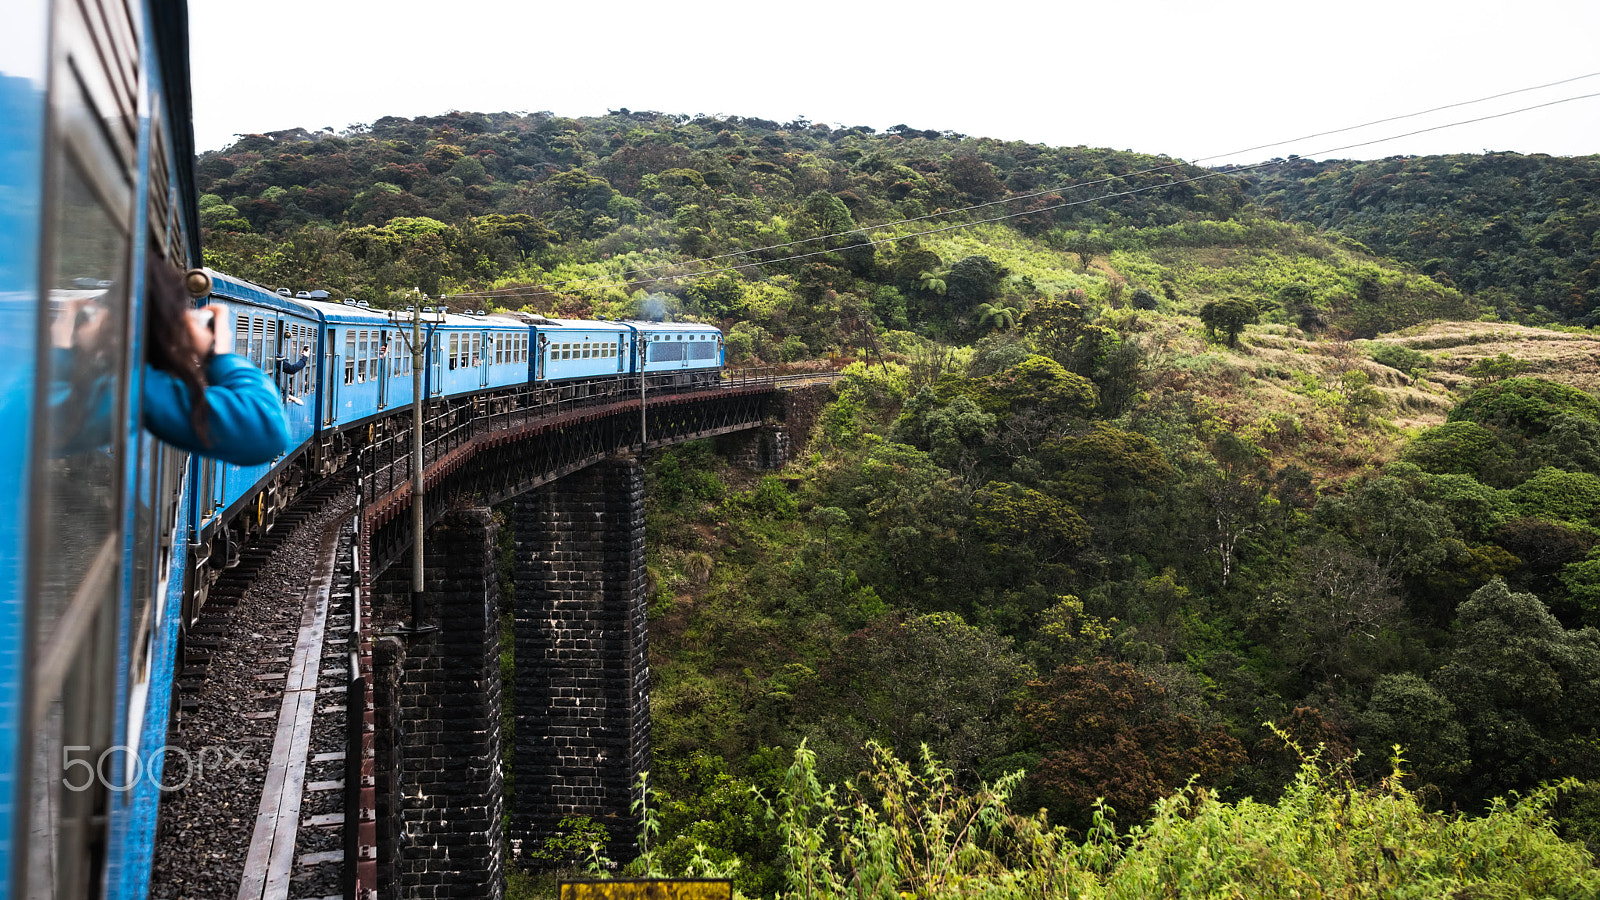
x=1527, y=689
x=1460, y=448
x=1054, y=323
x=1014, y=517
x=1554, y=495
x=957, y=705
x=1527, y=407
x=1229, y=316
x=1406, y=711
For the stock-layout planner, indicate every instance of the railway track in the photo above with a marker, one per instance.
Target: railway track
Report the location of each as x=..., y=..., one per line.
x=257, y=764
x=297, y=848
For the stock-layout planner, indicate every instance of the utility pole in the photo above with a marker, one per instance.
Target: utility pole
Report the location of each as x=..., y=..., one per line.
x=418, y=487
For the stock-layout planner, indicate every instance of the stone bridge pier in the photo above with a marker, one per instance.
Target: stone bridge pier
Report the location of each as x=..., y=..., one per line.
x=582, y=693
x=581, y=686
x=436, y=710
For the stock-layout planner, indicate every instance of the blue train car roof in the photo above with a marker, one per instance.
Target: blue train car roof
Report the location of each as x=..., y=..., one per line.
x=341, y=314
x=673, y=326
x=229, y=286
x=456, y=320
x=584, y=324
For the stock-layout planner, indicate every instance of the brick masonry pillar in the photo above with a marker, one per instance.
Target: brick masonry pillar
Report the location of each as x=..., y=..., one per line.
x=762, y=449
x=583, y=681
x=437, y=697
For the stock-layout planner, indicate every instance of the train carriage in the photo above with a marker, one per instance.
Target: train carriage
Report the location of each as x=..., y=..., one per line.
x=576, y=349
x=365, y=364
x=690, y=351
x=472, y=353
x=95, y=166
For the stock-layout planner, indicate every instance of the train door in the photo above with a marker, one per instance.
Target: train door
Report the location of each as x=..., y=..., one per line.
x=436, y=382
x=383, y=369
x=481, y=360
x=277, y=346
x=333, y=375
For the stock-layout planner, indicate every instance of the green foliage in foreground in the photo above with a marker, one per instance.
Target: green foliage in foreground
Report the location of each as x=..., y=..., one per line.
x=904, y=832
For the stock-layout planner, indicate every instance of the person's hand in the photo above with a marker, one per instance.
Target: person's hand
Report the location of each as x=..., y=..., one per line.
x=305, y=351
x=203, y=329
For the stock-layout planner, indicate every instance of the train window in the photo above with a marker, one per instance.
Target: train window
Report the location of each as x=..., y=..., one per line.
x=241, y=334
x=258, y=336
x=455, y=349
x=349, y=357
x=306, y=373
x=477, y=350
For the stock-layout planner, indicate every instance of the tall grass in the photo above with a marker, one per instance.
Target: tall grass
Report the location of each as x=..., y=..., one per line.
x=901, y=831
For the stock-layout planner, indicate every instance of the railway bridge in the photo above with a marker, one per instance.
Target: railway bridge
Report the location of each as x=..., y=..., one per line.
x=424, y=772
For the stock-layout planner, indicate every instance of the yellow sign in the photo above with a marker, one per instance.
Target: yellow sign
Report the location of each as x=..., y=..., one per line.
x=649, y=889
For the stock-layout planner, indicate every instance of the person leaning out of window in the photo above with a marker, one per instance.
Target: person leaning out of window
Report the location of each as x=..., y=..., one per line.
x=214, y=404
x=288, y=370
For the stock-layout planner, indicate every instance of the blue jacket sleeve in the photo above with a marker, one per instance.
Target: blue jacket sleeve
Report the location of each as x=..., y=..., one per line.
x=245, y=417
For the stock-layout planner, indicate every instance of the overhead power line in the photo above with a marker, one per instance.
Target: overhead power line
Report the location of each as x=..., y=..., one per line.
x=547, y=289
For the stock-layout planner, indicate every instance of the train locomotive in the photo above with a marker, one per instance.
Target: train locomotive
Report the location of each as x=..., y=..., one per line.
x=111, y=538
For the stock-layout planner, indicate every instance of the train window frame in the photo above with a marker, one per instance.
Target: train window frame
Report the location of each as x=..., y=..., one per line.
x=306, y=341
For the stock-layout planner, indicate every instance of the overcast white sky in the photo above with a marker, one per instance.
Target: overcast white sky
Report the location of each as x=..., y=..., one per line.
x=1188, y=79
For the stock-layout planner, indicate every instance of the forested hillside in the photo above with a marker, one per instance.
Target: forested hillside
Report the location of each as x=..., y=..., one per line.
x=1138, y=486
x=1519, y=232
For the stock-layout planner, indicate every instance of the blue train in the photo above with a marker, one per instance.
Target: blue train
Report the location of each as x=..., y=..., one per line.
x=110, y=538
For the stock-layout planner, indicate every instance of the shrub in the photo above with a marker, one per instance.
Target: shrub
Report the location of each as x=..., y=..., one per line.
x=1399, y=357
